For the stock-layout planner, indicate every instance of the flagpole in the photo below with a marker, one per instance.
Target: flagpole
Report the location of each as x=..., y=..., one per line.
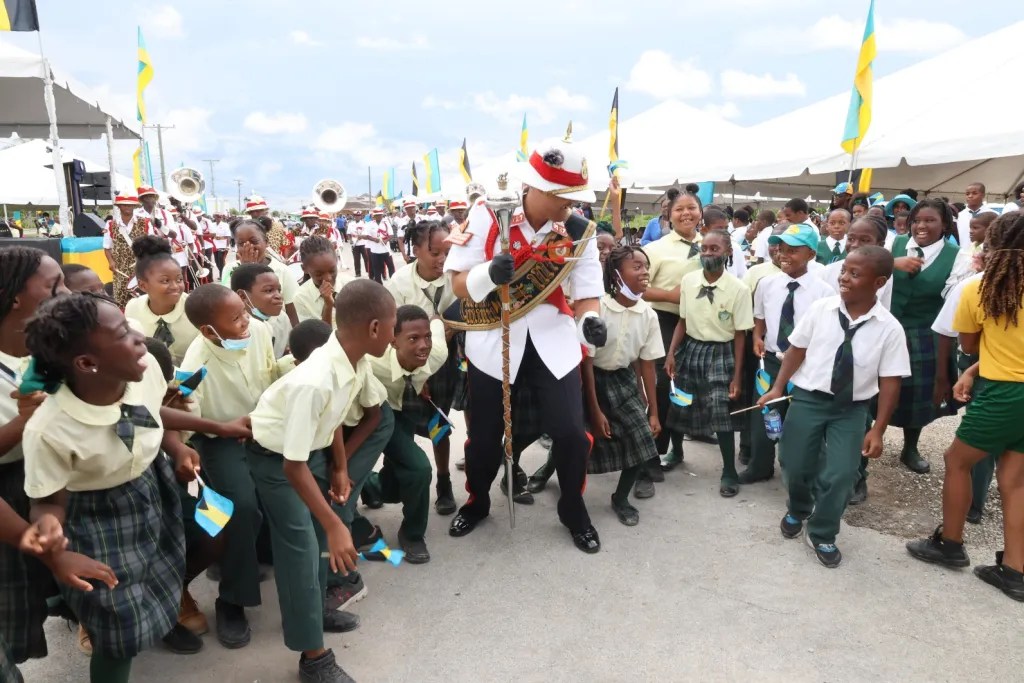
x=110, y=158
x=58, y=164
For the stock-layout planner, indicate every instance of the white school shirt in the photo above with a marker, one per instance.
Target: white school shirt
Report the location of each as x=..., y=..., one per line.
x=832, y=241
x=8, y=405
x=944, y=321
x=771, y=293
x=963, y=222
x=830, y=275
x=633, y=333
x=280, y=328
x=552, y=333
x=739, y=264
x=879, y=350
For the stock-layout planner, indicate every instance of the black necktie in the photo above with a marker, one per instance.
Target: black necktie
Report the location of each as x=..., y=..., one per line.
x=694, y=249
x=707, y=292
x=919, y=253
x=842, y=371
x=836, y=252
x=788, y=320
x=435, y=300
x=163, y=333
x=410, y=393
x=132, y=417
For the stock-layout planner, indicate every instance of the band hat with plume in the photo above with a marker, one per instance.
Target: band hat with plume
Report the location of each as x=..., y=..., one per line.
x=256, y=203
x=126, y=200
x=557, y=167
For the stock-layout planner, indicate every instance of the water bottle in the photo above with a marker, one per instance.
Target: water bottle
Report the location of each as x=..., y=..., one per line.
x=773, y=424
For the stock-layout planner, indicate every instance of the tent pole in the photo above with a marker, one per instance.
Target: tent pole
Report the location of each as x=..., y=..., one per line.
x=110, y=158
x=58, y=165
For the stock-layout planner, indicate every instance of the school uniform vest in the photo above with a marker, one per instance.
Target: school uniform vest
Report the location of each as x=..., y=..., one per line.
x=825, y=255
x=917, y=300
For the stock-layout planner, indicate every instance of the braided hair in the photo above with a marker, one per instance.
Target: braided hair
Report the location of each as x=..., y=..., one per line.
x=880, y=225
x=946, y=215
x=59, y=332
x=244, y=222
x=314, y=245
x=1002, y=285
x=17, y=266
x=150, y=250
x=419, y=235
x=616, y=258
x=728, y=243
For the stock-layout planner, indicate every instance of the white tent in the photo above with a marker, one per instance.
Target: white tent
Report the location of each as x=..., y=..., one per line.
x=25, y=178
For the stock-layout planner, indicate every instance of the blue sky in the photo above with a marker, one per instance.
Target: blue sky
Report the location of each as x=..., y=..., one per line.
x=287, y=93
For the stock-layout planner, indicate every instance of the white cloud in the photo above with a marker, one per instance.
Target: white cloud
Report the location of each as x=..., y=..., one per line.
x=302, y=38
x=897, y=35
x=431, y=102
x=657, y=74
x=726, y=110
x=414, y=42
x=191, y=133
x=345, y=137
x=266, y=170
x=741, y=84
x=554, y=102
x=274, y=124
x=166, y=21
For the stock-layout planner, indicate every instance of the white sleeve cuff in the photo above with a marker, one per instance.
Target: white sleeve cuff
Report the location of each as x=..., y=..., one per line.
x=478, y=282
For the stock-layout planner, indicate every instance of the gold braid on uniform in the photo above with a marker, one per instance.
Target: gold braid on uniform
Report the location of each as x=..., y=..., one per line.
x=1002, y=285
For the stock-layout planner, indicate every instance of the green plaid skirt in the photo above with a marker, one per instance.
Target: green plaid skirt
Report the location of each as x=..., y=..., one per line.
x=915, y=407
x=25, y=582
x=8, y=671
x=135, y=528
x=632, y=442
x=704, y=370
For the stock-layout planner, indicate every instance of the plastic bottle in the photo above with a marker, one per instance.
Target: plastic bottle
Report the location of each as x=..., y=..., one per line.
x=773, y=424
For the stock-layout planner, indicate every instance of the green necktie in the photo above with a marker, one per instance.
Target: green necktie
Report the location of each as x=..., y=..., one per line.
x=132, y=417
x=836, y=252
x=694, y=249
x=842, y=370
x=163, y=333
x=919, y=253
x=707, y=292
x=788, y=320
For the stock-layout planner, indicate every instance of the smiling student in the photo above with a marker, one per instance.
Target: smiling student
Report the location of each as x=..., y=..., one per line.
x=252, y=246
x=260, y=289
x=315, y=298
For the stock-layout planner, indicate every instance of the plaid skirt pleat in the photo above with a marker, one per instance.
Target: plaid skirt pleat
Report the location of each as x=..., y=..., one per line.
x=8, y=671
x=135, y=528
x=632, y=442
x=704, y=370
x=460, y=397
x=25, y=582
x=915, y=408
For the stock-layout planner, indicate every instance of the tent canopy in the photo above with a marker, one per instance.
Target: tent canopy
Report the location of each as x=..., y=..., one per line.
x=25, y=178
x=80, y=114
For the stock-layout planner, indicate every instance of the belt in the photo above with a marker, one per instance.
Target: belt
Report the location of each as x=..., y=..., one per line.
x=825, y=396
x=254, y=447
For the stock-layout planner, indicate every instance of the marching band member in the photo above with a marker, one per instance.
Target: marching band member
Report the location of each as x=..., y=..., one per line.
x=410, y=217
x=356, y=230
x=256, y=206
x=221, y=239
x=122, y=229
x=541, y=357
x=377, y=236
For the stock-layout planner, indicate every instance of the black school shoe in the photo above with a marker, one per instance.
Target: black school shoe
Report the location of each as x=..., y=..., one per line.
x=1006, y=579
x=937, y=550
x=587, y=540
x=339, y=621
x=415, y=550
x=323, y=669
x=626, y=513
x=232, y=626
x=371, y=495
x=181, y=641
x=913, y=461
x=521, y=495
x=974, y=515
x=445, y=504
x=462, y=525
x=827, y=553
x=644, y=486
x=860, y=492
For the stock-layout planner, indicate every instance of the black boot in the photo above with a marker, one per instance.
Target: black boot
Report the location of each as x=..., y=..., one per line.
x=445, y=504
x=538, y=481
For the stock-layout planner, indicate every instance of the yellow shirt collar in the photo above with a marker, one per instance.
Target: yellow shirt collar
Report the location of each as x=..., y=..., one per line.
x=99, y=416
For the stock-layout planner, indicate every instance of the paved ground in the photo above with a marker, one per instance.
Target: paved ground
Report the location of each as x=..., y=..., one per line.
x=703, y=589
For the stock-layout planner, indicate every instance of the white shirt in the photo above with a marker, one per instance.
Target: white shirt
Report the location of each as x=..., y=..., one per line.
x=771, y=294
x=280, y=329
x=963, y=222
x=944, y=321
x=633, y=333
x=830, y=275
x=879, y=349
x=383, y=231
x=831, y=242
x=760, y=246
x=739, y=264
x=931, y=252
x=222, y=236
x=553, y=334
x=117, y=229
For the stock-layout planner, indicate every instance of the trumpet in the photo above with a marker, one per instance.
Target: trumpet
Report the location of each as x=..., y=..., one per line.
x=329, y=196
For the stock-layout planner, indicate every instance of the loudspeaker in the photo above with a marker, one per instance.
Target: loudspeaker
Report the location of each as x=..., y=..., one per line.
x=50, y=246
x=88, y=225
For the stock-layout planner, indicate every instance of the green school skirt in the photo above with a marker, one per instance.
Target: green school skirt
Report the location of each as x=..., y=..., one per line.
x=993, y=421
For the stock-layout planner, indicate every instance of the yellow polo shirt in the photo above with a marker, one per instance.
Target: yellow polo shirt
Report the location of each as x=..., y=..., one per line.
x=8, y=405
x=1002, y=348
x=300, y=412
x=234, y=380
x=183, y=331
x=671, y=258
x=74, y=445
x=717, y=321
x=409, y=288
x=392, y=375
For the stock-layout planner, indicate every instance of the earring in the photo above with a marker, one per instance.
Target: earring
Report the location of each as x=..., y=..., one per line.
x=93, y=370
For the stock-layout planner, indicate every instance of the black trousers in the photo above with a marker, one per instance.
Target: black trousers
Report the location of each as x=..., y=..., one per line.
x=378, y=264
x=358, y=254
x=560, y=406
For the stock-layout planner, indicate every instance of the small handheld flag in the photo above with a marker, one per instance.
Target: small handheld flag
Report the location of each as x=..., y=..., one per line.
x=464, y=365
x=679, y=397
x=438, y=428
x=189, y=381
x=213, y=511
x=762, y=380
x=380, y=552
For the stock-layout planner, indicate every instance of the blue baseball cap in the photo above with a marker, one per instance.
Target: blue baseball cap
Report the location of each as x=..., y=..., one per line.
x=798, y=235
x=843, y=188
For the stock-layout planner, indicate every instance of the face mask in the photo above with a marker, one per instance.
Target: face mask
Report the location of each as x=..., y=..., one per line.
x=233, y=344
x=625, y=291
x=712, y=263
x=255, y=312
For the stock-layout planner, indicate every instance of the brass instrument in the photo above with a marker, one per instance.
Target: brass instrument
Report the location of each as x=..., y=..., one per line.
x=329, y=196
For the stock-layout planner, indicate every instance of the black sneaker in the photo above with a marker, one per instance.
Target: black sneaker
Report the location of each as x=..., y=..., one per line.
x=351, y=591
x=181, y=641
x=337, y=621
x=791, y=526
x=1006, y=579
x=363, y=541
x=937, y=550
x=827, y=553
x=644, y=487
x=323, y=669
x=626, y=513
x=860, y=492
x=415, y=550
x=445, y=504
x=232, y=626
x=974, y=515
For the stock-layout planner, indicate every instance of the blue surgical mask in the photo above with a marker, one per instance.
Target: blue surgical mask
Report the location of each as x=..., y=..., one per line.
x=255, y=312
x=233, y=344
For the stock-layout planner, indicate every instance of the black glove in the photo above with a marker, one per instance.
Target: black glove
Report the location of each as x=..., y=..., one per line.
x=595, y=331
x=502, y=268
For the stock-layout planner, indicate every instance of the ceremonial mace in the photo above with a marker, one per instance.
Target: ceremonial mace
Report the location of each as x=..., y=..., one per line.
x=502, y=205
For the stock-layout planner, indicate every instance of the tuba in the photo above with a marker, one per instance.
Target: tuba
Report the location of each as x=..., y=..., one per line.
x=187, y=185
x=329, y=196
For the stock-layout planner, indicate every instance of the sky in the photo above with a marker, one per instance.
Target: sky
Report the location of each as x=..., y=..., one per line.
x=287, y=93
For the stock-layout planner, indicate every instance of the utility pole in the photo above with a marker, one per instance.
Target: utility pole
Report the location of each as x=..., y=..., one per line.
x=238, y=181
x=160, y=145
x=213, y=184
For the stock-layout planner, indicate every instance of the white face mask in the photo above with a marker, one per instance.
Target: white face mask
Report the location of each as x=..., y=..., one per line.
x=625, y=291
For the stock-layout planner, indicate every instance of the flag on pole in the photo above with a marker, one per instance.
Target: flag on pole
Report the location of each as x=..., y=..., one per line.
x=464, y=169
x=18, y=15
x=864, y=185
x=379, y=200
x=613, y=129
x=858, y=118
x=433, y=179
x=213, y=511
x=389, y=184
x=415, y=181
x=145, y=76
x=137, y=166
x=524, y=149
x=678, y=396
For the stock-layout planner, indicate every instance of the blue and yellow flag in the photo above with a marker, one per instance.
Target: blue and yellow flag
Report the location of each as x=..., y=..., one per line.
x=145, y=76
x=389, y=184
x=438, y=428
x=858, y=119
x=864, y=184
x=464, y=169
x=679, y=397
x=213, y=511
x=18, y=15
x=433, y=179
x=613, y=130
x=415, y=181
x=524, y=150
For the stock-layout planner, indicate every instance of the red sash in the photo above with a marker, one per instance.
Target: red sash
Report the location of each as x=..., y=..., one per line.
x=522, y=251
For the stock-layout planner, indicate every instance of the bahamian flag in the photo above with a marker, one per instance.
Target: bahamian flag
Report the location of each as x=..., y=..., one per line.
x=145, y=76
x=614, y=162
x=858, y=119
x=864, y=184
x=464, y=169
x=389, y=184
x=433, y=179
x=213, y=511
x=679, y=397
x=415, y=181
x=524, y=136
x=18, y=15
